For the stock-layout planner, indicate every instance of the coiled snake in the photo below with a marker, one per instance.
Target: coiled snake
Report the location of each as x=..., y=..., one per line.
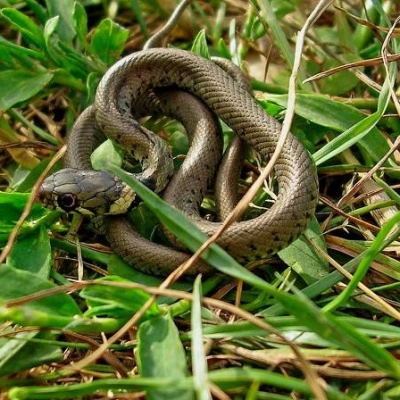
x=149, y=80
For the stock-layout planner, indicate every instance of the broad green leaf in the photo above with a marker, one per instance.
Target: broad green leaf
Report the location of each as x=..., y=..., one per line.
x=53, y=45
x=393, y=393
x=6, y=59
x=32, y=253
x=107, y=151
x=120, y=268
x=283, y=7
x=321, y=110
x=108, y=40
x=20, y=85
x=160, y=354
x=22, y=283
x=363, y=33
x=26, y=57
x=39, y=11
x=80, y=21
x=11, y=206
x=92, y=82
x=301, y=256
x=111, y=301
x=345, y=37
x=340, y=117
x=199, y=45
x=18, y=353
x=75, y=62
x=145, y=220
x=340, y=83
x=49, y=29
x=223, y=49
x=31, y=33
x=63, y=77
x=63, y=9
x=71, y=62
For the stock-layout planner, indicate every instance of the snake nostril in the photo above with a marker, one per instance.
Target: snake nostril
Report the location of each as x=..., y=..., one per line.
x=68, y=202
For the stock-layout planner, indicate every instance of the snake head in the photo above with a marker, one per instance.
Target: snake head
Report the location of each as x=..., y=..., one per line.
x=86, y=192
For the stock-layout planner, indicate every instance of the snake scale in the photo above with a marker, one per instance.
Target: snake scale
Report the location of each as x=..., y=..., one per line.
x=152, y=79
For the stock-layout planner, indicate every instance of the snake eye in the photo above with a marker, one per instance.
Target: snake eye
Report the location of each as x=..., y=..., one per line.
x=67, y=201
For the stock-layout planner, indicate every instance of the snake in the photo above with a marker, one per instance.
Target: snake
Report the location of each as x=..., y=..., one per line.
x=152, y=79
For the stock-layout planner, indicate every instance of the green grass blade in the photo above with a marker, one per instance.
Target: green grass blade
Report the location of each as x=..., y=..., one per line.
x=199, y=363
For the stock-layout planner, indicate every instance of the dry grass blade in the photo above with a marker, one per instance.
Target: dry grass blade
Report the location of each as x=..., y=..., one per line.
x=385, y=307
x=356, y=64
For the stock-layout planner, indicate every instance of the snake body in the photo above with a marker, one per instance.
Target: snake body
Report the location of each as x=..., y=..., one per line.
x=143, y=75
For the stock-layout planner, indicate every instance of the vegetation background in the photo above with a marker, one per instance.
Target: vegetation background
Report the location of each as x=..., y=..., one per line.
x=318, y=320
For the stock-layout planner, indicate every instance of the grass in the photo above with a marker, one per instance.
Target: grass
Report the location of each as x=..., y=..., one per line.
x=318, y=320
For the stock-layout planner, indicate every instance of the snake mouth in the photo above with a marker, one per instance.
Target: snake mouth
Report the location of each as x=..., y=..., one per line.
x=46, y=195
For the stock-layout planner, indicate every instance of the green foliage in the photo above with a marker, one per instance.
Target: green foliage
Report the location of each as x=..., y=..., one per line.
x=21, y=85
x=200, y=45
x=56, y=310
x=27, y=349
x=158, y=344
x=116, y=303
x=52, y=50
x=12, y=205
x=108, y=41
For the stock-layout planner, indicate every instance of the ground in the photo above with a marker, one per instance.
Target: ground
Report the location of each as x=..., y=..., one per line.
x=317, y=320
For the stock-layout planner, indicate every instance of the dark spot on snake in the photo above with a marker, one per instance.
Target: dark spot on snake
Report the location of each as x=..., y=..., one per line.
x=148, y=183
x=253, y=247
